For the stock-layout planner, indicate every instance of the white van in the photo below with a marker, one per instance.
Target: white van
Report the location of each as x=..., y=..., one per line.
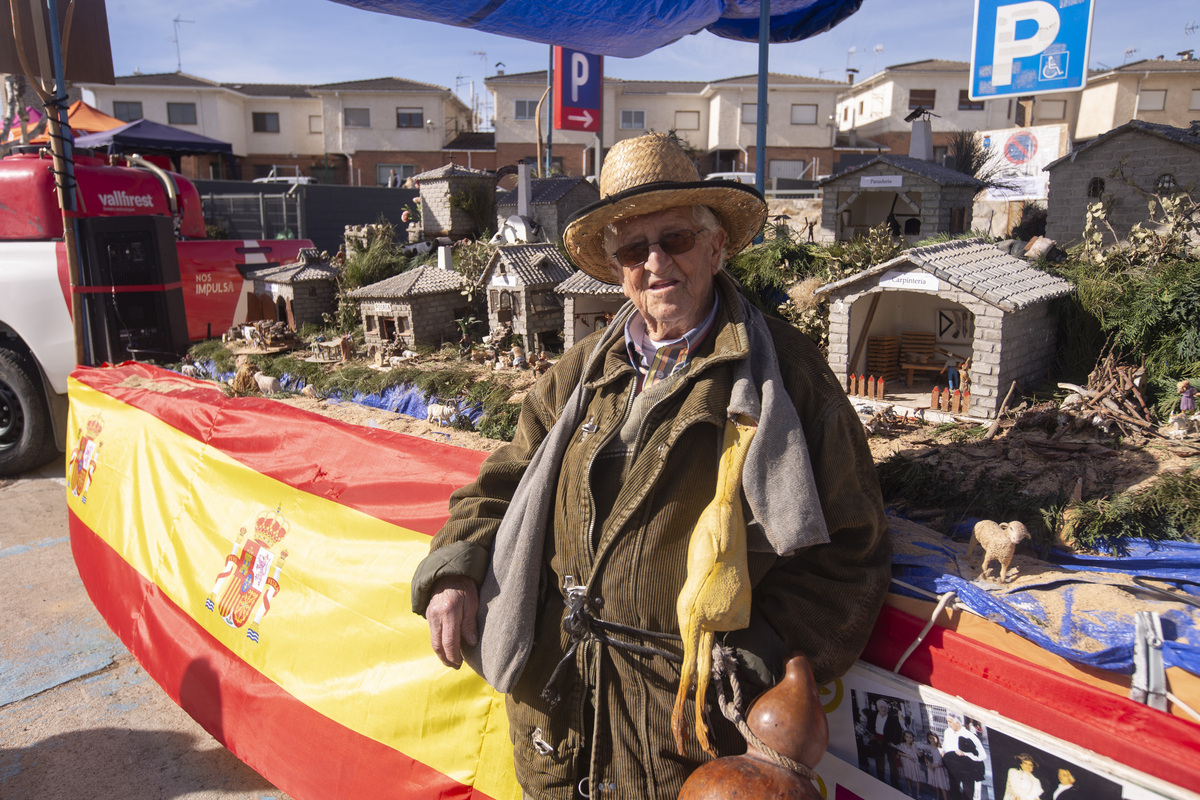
x=738, y=177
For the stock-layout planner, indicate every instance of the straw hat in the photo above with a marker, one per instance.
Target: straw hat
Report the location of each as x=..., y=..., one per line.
x=652, y=173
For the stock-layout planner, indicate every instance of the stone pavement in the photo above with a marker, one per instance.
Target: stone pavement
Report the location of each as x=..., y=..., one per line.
x=78, y=715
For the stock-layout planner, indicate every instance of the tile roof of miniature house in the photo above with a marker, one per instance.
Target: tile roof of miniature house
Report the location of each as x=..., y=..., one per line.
x=429, y=279
x=943, y=176
x=977, y=267
x=582, y=283
x=532, y=264
x=451, y=170
x=1185, y=136
x=546, y=190
x=308, y=266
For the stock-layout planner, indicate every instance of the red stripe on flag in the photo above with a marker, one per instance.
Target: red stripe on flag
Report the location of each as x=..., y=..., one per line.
x=302, y=752
x=1141, y=737
x=401, y=479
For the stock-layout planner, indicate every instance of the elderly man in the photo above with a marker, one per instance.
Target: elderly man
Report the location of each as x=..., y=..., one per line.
x=571, y=547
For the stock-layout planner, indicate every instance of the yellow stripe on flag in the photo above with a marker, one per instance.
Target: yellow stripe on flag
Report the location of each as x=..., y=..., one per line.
x=339, y=634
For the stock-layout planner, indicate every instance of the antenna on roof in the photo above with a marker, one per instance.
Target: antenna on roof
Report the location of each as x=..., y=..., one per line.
x=875, y=60
x=1128, y=52
x=178, y=57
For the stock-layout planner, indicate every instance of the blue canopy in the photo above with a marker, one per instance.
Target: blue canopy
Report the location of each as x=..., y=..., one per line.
x=146, y=137
x=624, y=28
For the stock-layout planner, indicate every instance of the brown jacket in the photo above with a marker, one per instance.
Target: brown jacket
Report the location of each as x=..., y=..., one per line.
x=626, y=501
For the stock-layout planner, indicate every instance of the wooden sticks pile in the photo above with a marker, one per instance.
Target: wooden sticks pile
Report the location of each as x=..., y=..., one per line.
x=1113, y=397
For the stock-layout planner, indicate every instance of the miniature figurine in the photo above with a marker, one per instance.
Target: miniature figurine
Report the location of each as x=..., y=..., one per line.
x=1187, y=397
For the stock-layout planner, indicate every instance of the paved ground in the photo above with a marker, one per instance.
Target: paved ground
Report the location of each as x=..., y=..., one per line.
x=78, y=716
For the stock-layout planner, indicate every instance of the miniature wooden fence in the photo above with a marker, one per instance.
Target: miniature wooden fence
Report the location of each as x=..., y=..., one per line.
x=867, y=386
x=956, y=402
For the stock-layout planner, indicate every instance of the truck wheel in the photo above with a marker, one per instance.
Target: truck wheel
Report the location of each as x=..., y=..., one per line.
x=26, y=439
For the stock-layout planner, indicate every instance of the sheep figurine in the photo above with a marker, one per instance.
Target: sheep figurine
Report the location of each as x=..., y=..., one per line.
x=999, y=541
x=267, y=384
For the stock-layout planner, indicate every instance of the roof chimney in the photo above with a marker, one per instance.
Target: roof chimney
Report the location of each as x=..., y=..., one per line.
x=445, y=258
x=524, y=189
x=921, y=144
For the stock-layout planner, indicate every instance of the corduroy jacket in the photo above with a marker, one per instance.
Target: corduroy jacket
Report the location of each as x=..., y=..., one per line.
x=633, y=482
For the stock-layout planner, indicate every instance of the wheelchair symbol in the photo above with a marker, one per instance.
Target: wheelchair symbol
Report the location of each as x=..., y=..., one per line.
x=1054, y=66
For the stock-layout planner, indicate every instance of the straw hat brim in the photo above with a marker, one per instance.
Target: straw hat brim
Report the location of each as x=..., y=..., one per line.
x=740, y=208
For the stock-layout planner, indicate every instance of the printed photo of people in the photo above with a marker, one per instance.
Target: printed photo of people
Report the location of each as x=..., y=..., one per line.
x=1023, y=772
x=925, y=751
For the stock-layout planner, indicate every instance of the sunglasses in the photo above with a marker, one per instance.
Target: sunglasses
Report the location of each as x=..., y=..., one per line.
x=673, y=243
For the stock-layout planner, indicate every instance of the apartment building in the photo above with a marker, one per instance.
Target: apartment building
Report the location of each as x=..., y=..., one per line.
x=354, y=132
x=876, y=107
x=1158, y=90
x=717, y=119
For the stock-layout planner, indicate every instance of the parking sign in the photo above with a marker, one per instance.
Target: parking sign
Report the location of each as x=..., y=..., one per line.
x=1024, y=47
x=578, y=90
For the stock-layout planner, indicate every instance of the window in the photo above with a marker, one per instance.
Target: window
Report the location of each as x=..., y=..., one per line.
x=181, y=113
x=265, y=121
x=1096, y=188
x=845, y=113
x=687, y=120
x=804, y=113
x=921, y=98
x=410, y=118
x=1152, y=99
x=1195, y=104
x=785, y=168
x=861, y=105
x=1166, y=183
x=633, y=120
x=384, y=171
x=749, y=113
x=127, y=110
x=314, y=123
x=525, y=109
x=356, y=117
x=1052, y=109
x=965, y=103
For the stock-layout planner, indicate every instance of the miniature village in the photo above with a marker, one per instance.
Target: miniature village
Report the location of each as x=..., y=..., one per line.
x=974, y=363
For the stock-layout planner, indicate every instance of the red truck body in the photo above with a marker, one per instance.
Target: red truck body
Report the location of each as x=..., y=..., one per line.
x=37, y=350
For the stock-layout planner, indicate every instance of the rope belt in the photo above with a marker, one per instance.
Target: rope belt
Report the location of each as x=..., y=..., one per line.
x=582, y=624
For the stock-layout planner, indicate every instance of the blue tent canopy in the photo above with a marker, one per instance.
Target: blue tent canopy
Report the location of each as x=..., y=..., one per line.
x=146, y=137
x=624, y=28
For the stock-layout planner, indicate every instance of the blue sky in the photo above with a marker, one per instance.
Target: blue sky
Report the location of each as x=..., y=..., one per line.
x=319, y=41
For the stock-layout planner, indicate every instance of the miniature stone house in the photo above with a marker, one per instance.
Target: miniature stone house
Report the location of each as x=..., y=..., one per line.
x=456, y=202
x=552, y=202
x=918, y=197
x=298, y=293
x=588, y=305
x=419, y=306
x=520, y=280
x=965, y=297
x=1148, y=158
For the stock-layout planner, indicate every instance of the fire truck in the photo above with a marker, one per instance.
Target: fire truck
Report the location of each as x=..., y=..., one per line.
x=150, y=282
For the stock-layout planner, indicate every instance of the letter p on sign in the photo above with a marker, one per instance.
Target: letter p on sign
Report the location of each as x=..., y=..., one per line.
x=579, y=75
x=1009, y=48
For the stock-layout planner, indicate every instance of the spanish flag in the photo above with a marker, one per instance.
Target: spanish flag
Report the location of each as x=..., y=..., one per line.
x=256, y=561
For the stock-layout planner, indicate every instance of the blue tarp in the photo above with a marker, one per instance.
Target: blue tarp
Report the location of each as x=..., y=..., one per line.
x=625, y=28
x=1049, y=612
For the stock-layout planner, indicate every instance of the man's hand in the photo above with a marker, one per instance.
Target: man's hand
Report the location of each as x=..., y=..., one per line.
x=451, y=616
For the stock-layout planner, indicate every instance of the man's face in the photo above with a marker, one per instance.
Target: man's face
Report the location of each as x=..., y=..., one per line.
x=881, y=706
x=674, y=293
x=1065, y=776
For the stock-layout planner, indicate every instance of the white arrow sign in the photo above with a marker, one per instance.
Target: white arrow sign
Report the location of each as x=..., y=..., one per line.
x=585, y=117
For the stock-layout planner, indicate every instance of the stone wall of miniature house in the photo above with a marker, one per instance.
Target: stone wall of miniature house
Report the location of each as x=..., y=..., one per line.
x=373, y=311
x=1143, y=158
x=1028, y=343
x=311, y=300
x=434, y=317
x=441, y=217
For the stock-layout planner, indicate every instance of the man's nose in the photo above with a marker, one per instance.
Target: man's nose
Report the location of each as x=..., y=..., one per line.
x=658, y=258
